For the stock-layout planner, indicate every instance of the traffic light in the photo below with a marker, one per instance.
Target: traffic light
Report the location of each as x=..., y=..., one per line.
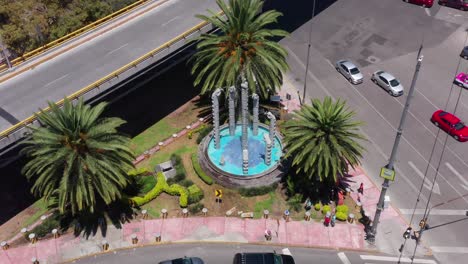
x=407, y=233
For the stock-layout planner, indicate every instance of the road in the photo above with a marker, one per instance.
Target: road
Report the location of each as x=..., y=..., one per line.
x=386, y=35
x=83, y=65
x=224, y=253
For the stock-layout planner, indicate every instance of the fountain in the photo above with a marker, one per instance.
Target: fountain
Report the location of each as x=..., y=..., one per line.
x=242, y=154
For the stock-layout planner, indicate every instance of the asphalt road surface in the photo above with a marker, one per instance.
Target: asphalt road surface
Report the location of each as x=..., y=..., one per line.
x=385, y=35
x=83, y=65
x=224, y=253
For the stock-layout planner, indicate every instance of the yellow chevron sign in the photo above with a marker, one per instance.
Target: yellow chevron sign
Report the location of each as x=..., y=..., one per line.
x=219, y=193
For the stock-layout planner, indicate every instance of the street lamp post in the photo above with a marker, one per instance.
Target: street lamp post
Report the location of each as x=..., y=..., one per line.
x=308, y=54
x=373, y=230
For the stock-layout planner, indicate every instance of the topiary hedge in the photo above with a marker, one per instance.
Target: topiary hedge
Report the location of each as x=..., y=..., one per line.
x=317, y=206
x=139, y=171
x=195, y=194
x=196, y=166
x=325, y=209
x=162, y=186
x=342, y=208
x=341, y=216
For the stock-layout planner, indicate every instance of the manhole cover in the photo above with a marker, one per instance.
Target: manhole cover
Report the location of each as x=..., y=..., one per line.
x=372, y=59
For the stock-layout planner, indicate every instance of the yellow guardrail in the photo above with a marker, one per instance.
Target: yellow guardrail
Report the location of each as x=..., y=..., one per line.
x=75, y=33
x=112, y=75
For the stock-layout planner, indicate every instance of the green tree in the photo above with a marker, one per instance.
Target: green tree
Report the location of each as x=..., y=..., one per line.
x=322, y=139
x=77, y=159
x=243, y=49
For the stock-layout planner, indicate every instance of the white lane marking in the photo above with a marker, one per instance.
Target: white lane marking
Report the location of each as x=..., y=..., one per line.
x=56, y=80
x=433, y=212
x=169, y=21
x=451, y=168
x=427, y=99
x=112, y=51
x=343, y=258
x=428, y=12
x=405, y=260
x=450, y=249
x=427, y=181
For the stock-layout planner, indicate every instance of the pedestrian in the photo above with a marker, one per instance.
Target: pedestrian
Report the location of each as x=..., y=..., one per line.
x=308, y=204
x=327, y=219
x=333, y=220
x=361, y=189
x=268, y=234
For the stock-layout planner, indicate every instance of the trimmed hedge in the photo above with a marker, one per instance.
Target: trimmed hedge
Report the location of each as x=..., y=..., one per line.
x=317, y=206
x=342, y=208
x=162, y=186
x=325, y=209
x=256, y=191
x=196, y=166
x=139, y=171
x=195, y=194
x=341, y=216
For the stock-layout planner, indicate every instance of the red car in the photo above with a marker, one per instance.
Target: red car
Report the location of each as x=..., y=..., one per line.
x=425, y=3
x=458, y=4
x=450, y=124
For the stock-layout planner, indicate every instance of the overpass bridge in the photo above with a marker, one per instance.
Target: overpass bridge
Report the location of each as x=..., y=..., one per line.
x=89, y=65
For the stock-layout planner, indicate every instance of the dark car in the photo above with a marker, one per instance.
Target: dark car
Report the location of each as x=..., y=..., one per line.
x=262, y=258
x=450, y=124
x=458, y=4
x=184, y=260
x=464, y=53
x=424, y=3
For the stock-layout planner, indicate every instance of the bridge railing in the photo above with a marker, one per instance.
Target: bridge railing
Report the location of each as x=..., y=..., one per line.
x=20, y=129
x=39, y=51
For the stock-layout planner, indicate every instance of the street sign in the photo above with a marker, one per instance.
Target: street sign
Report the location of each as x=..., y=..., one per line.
x=219, y=193
x=387, y=174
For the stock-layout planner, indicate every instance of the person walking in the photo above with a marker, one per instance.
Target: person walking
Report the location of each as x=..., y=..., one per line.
x=333, y=220
x=361, y=189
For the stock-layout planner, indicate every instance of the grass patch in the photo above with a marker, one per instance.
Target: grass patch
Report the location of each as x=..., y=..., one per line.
x=153, y=212
x=147, y=183
x=165, y=155
x=41, y=208
x=151, y=136
x=262, y=205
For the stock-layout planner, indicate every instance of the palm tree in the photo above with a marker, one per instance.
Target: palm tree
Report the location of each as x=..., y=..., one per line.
x=77, y=158
x=243, y=51
x=323, y=139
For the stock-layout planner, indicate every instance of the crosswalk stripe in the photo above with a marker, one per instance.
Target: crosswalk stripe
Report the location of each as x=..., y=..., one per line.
x=450, y=249
x=402, y=260
x=343, y=258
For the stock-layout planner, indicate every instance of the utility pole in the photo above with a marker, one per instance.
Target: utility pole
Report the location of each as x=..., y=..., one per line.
x=373, y=230
x=308, y=55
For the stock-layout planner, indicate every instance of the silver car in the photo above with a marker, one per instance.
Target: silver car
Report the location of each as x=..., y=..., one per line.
x=349, y=71
x=388, y=82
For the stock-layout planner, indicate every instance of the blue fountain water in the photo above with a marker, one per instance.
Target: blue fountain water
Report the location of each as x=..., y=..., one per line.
x=231, y=151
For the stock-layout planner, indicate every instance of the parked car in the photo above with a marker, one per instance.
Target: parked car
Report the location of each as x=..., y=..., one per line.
x=458, y=4
x=464, y=53
x=450, y=124
x=424, y=3
x=349, y=71
x=461, y=80
x=388, y=82
x=262, y=258
x=184, y=260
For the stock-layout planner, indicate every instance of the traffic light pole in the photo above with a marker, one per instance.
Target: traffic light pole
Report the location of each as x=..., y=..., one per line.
x=380, y=205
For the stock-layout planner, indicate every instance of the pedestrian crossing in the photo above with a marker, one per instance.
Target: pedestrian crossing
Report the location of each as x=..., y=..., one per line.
x=351, y=258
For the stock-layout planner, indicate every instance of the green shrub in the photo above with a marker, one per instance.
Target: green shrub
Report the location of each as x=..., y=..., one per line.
x=295, y=202
x=190, y=134
x=195, y=194
x=325, y=209
x=317, y=206
x=341, y=216
x=196, y=166
x=195, y=208
x=186, y=183
x=145, y=184
x=203, y=132
x=256, y=191
x=139, y=171
x=45, y=227
x=342, y=208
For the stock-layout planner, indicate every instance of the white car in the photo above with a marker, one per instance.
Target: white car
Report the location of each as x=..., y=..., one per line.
x=349, y=71
x=388, y=82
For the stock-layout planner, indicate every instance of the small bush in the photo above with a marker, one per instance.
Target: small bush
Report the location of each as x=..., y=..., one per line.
x=45, y=227
x=195, y=194
x=190, y=134
x=203, y=132
x=325, y=209
x=195, y=208
x=295, y=202
x=317, y=206
x=342, y=208
x=186, y=183
x=341, y=216
x=196, y=166
x=256, y=191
